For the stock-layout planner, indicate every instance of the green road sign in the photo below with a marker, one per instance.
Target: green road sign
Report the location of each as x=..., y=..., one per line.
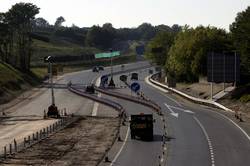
x=107, y=55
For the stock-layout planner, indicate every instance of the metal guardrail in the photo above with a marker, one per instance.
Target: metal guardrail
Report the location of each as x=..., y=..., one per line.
x=147, y=103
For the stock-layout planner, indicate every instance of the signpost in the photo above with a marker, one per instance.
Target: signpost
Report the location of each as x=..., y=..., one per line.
x=110, y=55
x=135, y=87
x=104, y=80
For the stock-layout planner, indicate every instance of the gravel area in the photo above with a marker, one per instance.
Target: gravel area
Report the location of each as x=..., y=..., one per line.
x=84, y=142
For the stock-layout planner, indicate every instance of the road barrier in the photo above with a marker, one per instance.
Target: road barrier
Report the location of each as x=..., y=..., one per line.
x=147, y=102
x=16, y=146
x=151, y=79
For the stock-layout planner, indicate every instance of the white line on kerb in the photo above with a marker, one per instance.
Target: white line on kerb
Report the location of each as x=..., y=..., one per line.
x=208, y=141
x=124, y=142
x=96, y=105
x=161, y=89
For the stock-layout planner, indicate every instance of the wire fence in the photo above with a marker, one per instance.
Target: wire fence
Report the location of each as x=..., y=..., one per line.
x=18, y=145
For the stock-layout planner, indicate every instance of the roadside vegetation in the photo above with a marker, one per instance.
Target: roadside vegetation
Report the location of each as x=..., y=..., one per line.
x=183, y=55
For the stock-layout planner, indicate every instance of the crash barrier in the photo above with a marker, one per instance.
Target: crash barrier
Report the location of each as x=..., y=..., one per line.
x=18, y=145
x=152, y=78
x=148, y=102
x=107, y=102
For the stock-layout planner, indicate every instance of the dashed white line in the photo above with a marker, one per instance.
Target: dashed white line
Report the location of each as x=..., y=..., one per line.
x=208, y=140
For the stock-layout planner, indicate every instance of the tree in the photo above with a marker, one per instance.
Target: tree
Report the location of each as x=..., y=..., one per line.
x=240, y=30
x=188, y=54
x=163, y=41
x=41, y=22
x=59, y=21
x=19, y=19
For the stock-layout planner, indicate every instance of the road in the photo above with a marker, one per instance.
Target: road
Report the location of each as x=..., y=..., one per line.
x=198, y=136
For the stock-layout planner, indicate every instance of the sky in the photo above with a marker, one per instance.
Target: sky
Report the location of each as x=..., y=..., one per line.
x=131, y=13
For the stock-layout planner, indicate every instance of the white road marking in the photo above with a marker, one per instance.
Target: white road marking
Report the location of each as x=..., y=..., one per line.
x=181, y=109
x=161, y=89
x=248, y=137
x=96, y=104
x=208, y=140
x=124, y=142
x=172, y=112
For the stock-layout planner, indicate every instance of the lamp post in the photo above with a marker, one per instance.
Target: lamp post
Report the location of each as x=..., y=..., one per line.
x=111, y=83
x=51, y=80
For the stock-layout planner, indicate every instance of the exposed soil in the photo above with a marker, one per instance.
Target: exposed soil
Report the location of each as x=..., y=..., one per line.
x=84, y=142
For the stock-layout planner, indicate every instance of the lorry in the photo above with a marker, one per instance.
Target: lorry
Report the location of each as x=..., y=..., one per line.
x=141, y=126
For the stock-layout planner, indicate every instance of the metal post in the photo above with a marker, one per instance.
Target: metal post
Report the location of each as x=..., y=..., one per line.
x=235, y=69
x=212, y=75
x=10, y=148
x=224, y=72
x=51, y=84
x=5, y=152
x=15, y=145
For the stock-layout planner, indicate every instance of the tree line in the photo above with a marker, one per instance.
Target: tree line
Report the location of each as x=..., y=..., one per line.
x=184, y=54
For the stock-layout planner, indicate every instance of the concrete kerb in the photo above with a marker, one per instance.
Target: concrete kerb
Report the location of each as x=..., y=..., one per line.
x=191, y=98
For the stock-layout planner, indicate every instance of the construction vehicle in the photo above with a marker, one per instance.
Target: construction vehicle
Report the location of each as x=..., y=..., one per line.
x=141, y=126
x=53, y=111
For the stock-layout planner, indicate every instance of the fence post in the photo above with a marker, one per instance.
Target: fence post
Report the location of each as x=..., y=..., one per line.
x=10, y=148
x=29, y=139
x=15, y=145
x=24, y=141
x=37, y=135
x=5, y=152
x=41, y=133
x=33, y=136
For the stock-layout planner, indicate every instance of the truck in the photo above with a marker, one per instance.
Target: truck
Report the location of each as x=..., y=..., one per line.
x=141, y=126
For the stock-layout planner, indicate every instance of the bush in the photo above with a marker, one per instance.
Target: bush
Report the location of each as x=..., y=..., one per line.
x=245, y=98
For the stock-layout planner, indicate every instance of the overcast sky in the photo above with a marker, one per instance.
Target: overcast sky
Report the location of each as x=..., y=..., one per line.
x=131, y=13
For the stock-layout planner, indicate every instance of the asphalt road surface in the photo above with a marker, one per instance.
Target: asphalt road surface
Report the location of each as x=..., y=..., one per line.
x=197, y=135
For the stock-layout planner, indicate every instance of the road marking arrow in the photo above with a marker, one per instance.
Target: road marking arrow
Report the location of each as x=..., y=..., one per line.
x=181, y=109
x=172, y=112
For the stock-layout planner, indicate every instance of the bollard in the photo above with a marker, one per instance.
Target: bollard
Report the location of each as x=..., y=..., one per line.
x=10, y=148
x=47, y=129
x=44, y=114
x=15, y=145
x=33, y=136
x=37, y=135
x=5, y=152
x=50, y=128
x=53, y=127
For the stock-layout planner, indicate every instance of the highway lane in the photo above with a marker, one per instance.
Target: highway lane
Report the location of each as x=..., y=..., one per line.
x=202, y=138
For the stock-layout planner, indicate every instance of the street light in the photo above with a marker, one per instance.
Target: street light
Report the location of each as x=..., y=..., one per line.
x=111, y=83
x=49, y=59
x=52, y=109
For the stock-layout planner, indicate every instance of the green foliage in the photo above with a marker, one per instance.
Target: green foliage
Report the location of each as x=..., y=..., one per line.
x=240, y=33
x=161, y=40
x=245, y=98
x=188, y=54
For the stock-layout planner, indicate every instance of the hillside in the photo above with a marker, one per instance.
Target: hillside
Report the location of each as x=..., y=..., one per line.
x=13, y=82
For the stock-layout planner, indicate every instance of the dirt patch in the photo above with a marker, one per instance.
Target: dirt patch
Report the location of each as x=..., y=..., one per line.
x=84, y=142
x=200, y=90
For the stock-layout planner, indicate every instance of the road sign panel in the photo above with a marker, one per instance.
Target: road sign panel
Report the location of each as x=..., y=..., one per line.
x=107, y=55
x=104, y=79
x=135, y=87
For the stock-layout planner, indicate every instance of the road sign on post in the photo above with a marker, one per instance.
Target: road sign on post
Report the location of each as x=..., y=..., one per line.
x=135, y=87
x=107, y=55
x=104, y=80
